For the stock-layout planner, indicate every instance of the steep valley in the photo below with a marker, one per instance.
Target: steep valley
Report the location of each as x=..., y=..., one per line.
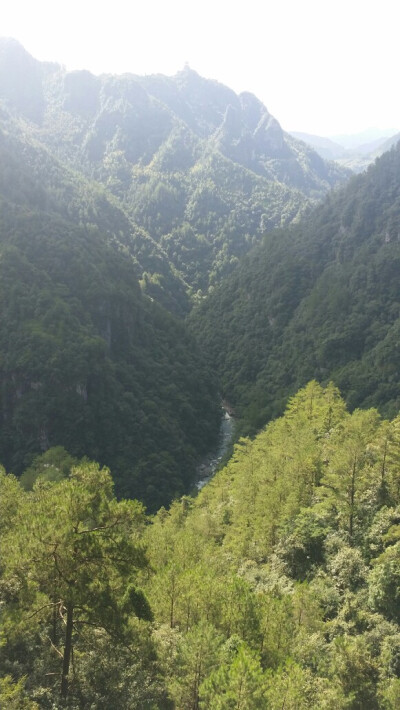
x=107, y=184
x=164, y=247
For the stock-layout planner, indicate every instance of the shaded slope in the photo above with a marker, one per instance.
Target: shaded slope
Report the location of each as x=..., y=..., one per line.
x=320, y=300
x=87, y=361
x=29, y=170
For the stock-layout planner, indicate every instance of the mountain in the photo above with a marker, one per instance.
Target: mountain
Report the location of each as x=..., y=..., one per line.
x=320, y=300
x=358, y=159
x=389, y=143
x=202, y=170
x=123, y=199
x=325, y=147
x=369, y=137
x=279, y=583
x=86, y=360
x=354, y=152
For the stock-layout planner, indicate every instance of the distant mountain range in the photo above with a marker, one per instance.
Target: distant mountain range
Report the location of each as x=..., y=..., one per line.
x=352, y=151
x=204, y=171
x=371, y=137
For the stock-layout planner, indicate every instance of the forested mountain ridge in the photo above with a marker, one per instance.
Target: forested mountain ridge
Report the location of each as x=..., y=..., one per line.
x=203, y=170
x=278, y=583
x=104, y=181
x=320, y=300
x=87, y=361
x=31, y=174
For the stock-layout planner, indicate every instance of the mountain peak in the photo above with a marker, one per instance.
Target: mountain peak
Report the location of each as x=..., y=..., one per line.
x=20, y=79
x=8, y=44
x=188, y=75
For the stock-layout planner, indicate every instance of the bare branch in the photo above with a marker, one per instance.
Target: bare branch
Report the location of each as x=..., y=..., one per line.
x=37, y=611
x=60, y=608
x=99, y=527
x=55, y=649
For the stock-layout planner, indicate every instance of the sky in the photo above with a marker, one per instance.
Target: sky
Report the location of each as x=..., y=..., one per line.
x=319, y=66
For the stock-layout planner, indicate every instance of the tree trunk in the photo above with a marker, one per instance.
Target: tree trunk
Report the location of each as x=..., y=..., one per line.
x=67, y=650
x=352, y=498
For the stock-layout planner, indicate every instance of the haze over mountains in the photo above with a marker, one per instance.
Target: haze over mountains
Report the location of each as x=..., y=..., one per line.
x=353, y=151
x=111, y=180
x=180, y=177
x=164, y=244
x=203, y=170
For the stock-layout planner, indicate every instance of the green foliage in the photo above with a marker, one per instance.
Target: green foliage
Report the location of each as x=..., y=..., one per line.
x=196, y=656
x=87, y=361
x=278, y=585
x=253, y=594
x=114, y=675
x=13, y=696
x=70, y=564
x=296, y=688
x=385, y=582
x=301, y=606
x=175, y=151
x=54, y=465
x=239, y=683
x=317, y=301
x=357, y=670
x=348, y=477
x=205, y=219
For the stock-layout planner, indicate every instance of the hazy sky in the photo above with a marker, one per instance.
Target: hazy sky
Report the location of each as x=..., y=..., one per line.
x=320, y=67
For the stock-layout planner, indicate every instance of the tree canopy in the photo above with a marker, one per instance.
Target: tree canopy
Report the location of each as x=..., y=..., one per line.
x=317, y=301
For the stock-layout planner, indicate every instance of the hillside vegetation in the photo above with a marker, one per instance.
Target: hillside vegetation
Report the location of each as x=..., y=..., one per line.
x=278, y=583
x=122, y=199
x=203, y=170
x=320, y=300
x=86, y=360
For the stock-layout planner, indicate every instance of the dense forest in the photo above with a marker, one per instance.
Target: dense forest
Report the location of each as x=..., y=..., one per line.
x=86, y=360
x=165, y=246
x=278, y=586
x=120, y=205
x=320, y=300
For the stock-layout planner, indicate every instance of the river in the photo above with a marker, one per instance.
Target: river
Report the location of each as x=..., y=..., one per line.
x=211, y=462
